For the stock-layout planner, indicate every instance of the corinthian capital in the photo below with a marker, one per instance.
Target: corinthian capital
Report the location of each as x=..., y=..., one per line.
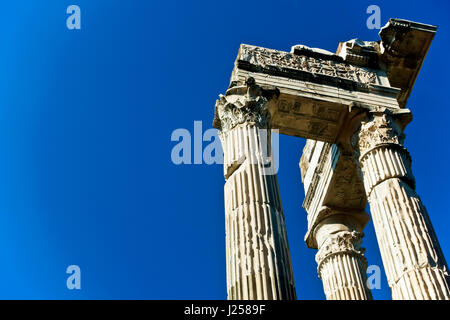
x=343, y=242
x=246, y=103
x=380, y=126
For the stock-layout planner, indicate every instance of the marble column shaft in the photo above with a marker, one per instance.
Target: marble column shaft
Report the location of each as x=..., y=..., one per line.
x=258, y=259
x=414, y=263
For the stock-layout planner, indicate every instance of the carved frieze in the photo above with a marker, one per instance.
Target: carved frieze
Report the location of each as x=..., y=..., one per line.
x=268, y=58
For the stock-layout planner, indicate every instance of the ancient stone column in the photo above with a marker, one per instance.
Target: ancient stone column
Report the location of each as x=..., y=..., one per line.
x=412, y=257
x=335, y=201
x=340, y=260
x=258, y=259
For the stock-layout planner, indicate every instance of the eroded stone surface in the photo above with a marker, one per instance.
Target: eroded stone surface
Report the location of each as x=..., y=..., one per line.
x=351, y=108
x=414, y=263
x=258, y=258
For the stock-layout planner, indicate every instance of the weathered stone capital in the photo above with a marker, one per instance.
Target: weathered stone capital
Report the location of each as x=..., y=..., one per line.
x=376, y=127
x=377, y=145
x=340, y=260
x=343, y=242
x=379, y=127
x=246, y=103
x=329, y=221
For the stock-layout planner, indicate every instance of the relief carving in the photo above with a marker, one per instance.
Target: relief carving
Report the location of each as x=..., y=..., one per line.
x=278, y=59
x=317, y=128
x=309, y=109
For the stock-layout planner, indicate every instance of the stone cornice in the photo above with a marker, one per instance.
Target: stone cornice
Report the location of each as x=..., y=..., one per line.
x=403, y=47
x=311, y=67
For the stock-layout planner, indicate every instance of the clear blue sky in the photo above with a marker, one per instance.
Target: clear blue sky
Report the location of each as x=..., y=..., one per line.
x=86, y=117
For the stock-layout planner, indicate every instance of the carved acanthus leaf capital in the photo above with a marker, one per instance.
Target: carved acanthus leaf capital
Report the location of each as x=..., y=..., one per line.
x=343, y=242
x=244, y=104
x=380, y=128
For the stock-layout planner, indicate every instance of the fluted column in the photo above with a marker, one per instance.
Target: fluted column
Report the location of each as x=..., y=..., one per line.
x=258, y=258
x=340, y=260
x=414, y=263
